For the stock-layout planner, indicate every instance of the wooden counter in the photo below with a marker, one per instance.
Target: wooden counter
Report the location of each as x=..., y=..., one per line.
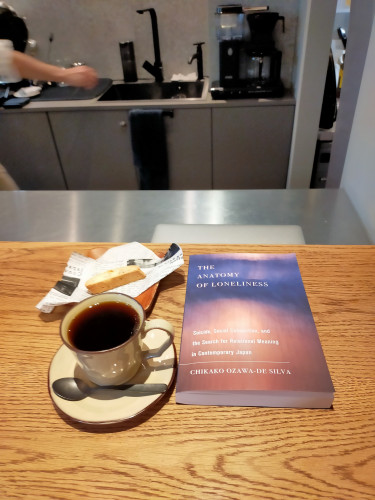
x=192, y=452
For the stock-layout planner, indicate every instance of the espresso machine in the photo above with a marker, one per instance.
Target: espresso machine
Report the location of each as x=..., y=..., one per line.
x=250, y=64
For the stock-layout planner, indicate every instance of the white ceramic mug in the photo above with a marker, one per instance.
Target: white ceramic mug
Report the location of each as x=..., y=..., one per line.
x=118, y=364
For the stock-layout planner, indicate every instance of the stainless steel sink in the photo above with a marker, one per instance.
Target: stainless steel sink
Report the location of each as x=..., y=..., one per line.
x=154, y=90
x=67, y=93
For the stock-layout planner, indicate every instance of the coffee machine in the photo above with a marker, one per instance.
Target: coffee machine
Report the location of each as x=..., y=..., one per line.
x=250, y=65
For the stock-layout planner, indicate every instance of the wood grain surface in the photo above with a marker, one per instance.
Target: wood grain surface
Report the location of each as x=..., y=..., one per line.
x=189, y=452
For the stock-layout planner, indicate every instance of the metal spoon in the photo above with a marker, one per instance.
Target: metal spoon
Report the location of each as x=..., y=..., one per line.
x=75, y=389
x=173, y=249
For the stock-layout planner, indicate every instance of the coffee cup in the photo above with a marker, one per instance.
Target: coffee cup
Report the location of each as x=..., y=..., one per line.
x=106, y=333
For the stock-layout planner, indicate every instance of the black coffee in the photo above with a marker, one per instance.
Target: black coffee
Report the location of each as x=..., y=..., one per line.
x=103, y=326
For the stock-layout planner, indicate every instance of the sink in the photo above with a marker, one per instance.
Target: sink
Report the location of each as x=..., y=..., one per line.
x=154, y=90
x=67, y=93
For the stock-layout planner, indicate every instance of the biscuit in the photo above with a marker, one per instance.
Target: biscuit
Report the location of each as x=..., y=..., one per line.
x=114, y=278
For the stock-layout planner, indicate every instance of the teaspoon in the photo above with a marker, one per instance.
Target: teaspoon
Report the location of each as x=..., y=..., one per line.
x=173, y=249
x=75, y=389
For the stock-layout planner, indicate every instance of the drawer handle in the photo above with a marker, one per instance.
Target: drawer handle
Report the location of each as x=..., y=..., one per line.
x=122, y=124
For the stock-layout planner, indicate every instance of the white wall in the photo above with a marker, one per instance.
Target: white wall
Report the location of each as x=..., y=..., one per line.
x=314, y=41
x=358, y=178
x=359, y=33
x=90, y=30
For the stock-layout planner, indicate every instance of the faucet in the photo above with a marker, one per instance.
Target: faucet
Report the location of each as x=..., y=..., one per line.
x=155, y=69
x=199, y=57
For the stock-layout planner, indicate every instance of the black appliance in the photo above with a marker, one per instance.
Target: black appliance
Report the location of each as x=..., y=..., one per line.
x=249, y=67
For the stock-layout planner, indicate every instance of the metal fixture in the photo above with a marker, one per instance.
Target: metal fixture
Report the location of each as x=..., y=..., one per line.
x=156, y=70
x=199, y=57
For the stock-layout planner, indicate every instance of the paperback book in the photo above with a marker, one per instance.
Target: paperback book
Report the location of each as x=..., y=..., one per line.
x=249, y=337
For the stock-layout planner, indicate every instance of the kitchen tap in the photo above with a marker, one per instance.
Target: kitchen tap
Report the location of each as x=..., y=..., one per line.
x=199, y=57
x=155, y=69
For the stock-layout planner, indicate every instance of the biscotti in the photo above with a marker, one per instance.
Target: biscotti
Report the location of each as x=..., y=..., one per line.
x=114, y=278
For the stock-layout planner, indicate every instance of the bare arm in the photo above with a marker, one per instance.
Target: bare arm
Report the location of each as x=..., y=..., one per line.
x=33, y=69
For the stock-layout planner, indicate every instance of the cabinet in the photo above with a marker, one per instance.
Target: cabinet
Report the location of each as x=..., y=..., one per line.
x=95, y=149
x=28, y=152
x=251, y=146
x=189, y=149
x=218, y=147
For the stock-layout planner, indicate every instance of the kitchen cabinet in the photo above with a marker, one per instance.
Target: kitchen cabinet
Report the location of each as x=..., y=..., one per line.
x=189, y=149
x=28, y=152
x=95, y=148
x=251, y=146
x=233, y=146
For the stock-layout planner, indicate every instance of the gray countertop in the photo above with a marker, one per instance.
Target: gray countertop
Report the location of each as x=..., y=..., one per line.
x=94, y=104
x=326, y=216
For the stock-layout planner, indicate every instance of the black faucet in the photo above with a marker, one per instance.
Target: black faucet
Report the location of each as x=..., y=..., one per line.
x=156, y=69
x=199, y=57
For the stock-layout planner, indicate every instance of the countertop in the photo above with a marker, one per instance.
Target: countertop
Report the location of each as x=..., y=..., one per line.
x=326, y=216
x=207, y=102
x=189, y=452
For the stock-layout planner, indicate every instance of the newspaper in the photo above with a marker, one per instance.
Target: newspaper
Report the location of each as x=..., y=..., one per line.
x=71, y=288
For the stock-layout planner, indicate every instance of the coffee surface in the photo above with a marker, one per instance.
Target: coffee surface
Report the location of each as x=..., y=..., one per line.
x=103, y=326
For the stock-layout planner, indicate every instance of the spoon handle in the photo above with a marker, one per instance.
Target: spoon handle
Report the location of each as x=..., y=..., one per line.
x=73, y=389
x=173, y=249
x=144, y=388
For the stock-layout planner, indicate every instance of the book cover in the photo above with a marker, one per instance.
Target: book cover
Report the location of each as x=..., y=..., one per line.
x=248, y=336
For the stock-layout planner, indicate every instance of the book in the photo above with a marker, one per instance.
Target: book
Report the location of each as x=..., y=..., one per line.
x=248, y=335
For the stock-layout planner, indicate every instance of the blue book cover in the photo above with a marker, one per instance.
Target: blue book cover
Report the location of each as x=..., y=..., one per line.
x=249, y=337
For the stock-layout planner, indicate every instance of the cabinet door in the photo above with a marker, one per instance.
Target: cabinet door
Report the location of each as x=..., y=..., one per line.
x=251, y=147
x=94, y=148
x=28, y=152
x=189, y=149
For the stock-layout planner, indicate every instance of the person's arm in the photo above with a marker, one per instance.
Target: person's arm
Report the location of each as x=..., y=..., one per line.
x=32, y=69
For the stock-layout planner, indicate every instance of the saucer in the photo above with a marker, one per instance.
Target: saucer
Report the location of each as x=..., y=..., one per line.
x=108, y=407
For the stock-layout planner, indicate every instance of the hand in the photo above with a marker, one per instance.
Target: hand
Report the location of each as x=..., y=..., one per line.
x=80, y=76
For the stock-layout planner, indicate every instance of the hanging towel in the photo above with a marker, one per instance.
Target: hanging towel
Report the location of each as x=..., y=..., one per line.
x=149, y=145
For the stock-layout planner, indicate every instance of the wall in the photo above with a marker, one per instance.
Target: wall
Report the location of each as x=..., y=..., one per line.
x=359, y=32
x=314, y=40
x=359, y=170
x=89, y=31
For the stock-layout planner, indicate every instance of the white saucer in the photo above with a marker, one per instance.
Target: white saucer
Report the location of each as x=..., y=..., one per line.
x=108, y=408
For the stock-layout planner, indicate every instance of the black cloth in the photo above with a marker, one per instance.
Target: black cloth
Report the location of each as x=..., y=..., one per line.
x=149, y=146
